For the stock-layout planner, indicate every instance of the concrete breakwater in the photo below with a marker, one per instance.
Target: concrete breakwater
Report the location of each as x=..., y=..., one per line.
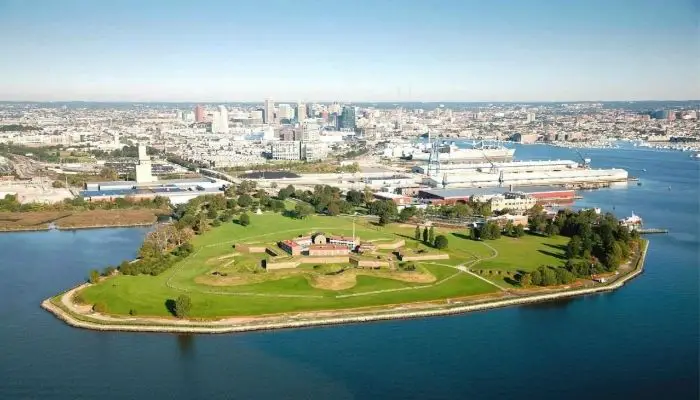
x=103, y=323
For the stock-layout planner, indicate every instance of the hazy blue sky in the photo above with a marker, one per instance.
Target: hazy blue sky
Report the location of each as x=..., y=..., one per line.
x=427, y=50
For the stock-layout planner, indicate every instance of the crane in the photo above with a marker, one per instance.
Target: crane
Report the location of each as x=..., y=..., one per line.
x=586, y=161
x=494, y=169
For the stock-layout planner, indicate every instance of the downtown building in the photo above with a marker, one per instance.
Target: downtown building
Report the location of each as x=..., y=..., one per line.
x=269, y=111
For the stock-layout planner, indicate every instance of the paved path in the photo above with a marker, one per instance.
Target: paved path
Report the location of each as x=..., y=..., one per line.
x=484, y=279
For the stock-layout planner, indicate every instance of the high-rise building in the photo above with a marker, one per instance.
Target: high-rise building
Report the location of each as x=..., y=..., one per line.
x=301, y=112
x=256, y=115
x=219, y=123
x=286, y=150
x=346, y=120
x=198, y=114
x=530, y=117
x=269, y=111
x=285, y=111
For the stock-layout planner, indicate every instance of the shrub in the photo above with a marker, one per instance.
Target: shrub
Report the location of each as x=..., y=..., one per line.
x=133, y=312
x=94, y=276
x=441, y=242
x=244, y=220
x=78, y=298
x=183, y=304
x=99, y=307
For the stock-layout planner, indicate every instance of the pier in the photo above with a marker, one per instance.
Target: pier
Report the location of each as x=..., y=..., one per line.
x=652, y=230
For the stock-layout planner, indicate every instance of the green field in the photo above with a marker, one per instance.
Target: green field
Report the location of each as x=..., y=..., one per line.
x=292, y=291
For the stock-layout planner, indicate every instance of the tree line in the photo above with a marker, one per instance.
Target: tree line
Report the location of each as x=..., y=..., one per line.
x=428, y=237
x=597, y=244
x=10, y=203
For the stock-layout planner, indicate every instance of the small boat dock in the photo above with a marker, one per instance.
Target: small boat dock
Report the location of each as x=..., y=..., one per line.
x=652, y=230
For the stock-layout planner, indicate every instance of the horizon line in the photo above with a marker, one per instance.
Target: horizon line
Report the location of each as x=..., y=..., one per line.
x=351, y=102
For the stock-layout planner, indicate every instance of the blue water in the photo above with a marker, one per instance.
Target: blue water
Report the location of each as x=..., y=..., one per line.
x=638, y=342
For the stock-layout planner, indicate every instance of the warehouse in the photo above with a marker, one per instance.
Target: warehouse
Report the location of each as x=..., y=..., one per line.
x=462, y=195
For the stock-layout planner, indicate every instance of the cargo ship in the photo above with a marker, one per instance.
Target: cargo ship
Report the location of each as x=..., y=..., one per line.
x=450, y=152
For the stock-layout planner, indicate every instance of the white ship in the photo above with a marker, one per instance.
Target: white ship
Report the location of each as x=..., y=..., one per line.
x=451, y=153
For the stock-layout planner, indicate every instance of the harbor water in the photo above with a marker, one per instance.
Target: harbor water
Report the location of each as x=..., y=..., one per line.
x=640, y=341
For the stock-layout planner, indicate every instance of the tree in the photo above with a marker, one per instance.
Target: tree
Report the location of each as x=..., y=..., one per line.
x=245, y=200
x=385, y=209
x=519, y=231
x=58, y=184
x=526, y=279
x=549, y=277
x=109, y=174
x=509, y=228
x=574, y=247
x=441, y=242
x=94, y=276
x=284, y=193
x=367, y=195
x=474, y=233
x=354, y=197
x=431, y=235
x=536, y=277
x=183, y=304
x=277, y=205
x=212, y=213
x=425, y=234
x=407, y=213
x=244, y=220
x=333, y=209
x=303, y=210
x=552, y=229
x=417, y=234
x=564, y=277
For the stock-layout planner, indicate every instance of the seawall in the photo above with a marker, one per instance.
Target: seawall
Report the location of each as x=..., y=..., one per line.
x=183, y=326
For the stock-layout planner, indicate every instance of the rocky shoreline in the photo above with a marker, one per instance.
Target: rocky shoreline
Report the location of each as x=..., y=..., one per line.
x=186, y=326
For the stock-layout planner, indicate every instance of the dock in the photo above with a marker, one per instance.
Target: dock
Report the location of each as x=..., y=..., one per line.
x=652, y=230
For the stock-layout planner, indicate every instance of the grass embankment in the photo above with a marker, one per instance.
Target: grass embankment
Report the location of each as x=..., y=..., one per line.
x=40, y=220
x=298, y=290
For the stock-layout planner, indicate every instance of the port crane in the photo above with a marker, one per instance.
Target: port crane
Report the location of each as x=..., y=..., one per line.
x=586, y=161
x=494, y=169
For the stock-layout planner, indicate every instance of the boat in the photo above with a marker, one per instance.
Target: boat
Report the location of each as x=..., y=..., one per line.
x=696, y=156
x=451, y=152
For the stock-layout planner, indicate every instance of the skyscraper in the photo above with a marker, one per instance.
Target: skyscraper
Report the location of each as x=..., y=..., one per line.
x=198, y=114
x=219, y=123
x=284, y=111
x=269, y=111
x=301, y=112
x=346, y=120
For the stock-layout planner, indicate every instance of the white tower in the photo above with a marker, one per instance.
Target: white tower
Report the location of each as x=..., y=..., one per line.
x=143, y=167
x=222, y=115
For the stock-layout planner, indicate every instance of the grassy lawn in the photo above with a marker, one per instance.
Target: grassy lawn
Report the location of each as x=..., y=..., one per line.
x=526, y=253
x=293, y=291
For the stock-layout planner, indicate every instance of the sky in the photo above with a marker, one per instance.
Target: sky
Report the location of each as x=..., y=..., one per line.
x=350, y=51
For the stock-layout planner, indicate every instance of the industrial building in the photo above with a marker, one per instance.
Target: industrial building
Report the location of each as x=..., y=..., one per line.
x=508, y=201
x=295, y=150
x=541, y=194
x=146, y=186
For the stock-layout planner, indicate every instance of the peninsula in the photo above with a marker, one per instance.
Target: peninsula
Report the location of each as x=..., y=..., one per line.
x=292, y=268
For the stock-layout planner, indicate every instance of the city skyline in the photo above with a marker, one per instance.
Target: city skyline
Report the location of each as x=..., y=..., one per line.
x=454, y=51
